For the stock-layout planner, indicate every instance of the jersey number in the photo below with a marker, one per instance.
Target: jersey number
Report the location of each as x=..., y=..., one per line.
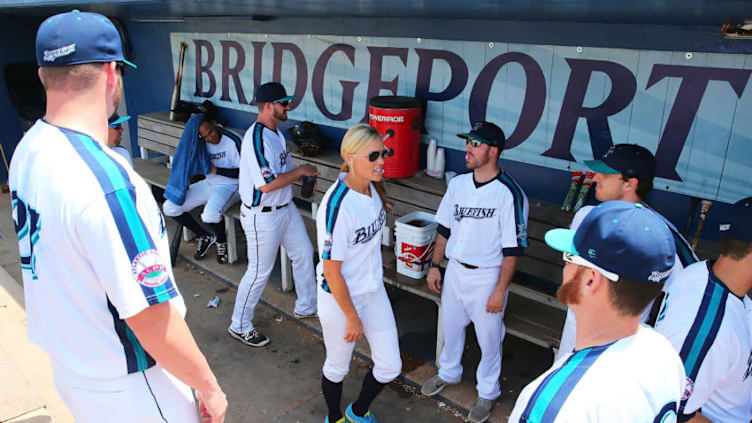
x=27, y=224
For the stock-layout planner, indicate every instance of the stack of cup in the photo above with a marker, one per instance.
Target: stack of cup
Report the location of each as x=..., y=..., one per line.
x=435, y=160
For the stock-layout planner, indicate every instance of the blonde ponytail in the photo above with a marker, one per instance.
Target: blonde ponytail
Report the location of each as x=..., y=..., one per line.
x=354, y=140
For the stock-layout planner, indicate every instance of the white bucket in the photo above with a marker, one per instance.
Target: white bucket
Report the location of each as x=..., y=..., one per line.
x=414, y=243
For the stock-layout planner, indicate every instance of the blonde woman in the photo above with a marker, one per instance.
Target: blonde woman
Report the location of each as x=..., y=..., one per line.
x=351, y=295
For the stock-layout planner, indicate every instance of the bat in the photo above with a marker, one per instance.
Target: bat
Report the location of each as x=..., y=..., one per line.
x=178, y=80
x=703, y=214
x=691, y=215
x=586, y=185
x=576, y=177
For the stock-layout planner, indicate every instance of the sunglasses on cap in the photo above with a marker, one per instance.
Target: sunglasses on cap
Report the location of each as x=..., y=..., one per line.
x=575, y=259
x=374, y=155
x=116, y=126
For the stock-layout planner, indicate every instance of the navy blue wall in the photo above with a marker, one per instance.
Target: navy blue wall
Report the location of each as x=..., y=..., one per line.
x=18, y=33
x=149, y=88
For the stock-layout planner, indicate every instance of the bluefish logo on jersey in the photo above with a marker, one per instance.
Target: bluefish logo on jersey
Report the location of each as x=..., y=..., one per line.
x=365, y=234
x=148, y=269
x=749, y=366
x=473, y=212
x=283, y=158
x=217, y=156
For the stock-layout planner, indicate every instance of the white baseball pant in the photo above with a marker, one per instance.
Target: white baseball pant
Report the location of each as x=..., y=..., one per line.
x=151, y=396
x=217, y=197
x=464, y=296
x=264, y=233
x=379, y=328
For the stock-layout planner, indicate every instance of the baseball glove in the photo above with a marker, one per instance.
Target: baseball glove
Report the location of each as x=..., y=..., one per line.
x=306, y=137
x=309, y=147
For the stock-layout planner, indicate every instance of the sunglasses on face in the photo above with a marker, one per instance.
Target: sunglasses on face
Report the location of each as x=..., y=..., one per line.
x=472, y=142
x=283, y=103
x=374, y=155
x=116, y=126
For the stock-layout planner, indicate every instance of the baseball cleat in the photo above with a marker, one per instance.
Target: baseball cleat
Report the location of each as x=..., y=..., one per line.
x=202, y=245
x=350, y=416
x=433, y=386
x=342, y=420
x=221, y=252
x=482, y=410
x=253, y=338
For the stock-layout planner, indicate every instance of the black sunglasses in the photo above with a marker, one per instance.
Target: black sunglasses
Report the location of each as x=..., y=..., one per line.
x=283, y=103
x=116, y=126
x=121, y=66
x=374, y=155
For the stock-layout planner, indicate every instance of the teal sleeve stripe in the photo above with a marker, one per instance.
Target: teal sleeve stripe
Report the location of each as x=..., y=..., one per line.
x=552, y=387
x=137, y=349
x=701, y=337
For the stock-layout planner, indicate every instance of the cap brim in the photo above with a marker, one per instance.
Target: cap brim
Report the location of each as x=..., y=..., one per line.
x=131, y=64
x=476, y=137
x=120, y=120
x=288, y=98
x=600, y=167
x=561, y=240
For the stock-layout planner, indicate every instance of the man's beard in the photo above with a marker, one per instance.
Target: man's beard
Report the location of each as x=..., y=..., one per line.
x=281, y=116
x=477, y=161
x=569, y=292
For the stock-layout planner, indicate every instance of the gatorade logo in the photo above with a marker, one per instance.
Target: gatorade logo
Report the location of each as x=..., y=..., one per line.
x=391, y=119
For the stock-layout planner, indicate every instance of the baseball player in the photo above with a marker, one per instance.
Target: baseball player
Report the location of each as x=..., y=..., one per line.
x=268, y=216
x=620, y=370
x=115, y=136
x=482, y=231
x=706, y=317
x=351, y=296
x=218, y=192
x=101, y=298
x=626, y=173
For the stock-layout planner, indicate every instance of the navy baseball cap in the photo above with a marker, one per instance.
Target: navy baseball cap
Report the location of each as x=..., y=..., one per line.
x=487, y=133
x=737, y=223
x=619, y=239
x=631, y=160
x=75, y=37
x=271, y=92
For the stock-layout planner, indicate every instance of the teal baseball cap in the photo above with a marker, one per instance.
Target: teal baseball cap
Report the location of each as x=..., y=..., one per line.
x=619, y=239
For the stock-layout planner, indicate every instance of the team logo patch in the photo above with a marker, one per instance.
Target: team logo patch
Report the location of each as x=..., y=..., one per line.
x=51, y=55
x=328, y=243
x=266, y=172
x=591, y=253
x=148, y=269
x=688, y=389
x=657, y=276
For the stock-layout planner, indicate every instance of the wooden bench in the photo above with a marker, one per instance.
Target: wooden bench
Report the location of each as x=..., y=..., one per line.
x=533, y=313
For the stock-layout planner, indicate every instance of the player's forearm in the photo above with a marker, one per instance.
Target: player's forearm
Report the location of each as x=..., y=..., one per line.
x=439, y=249
x=338, y=287
x=163, y=333
x=282, y=180
x=508, y=266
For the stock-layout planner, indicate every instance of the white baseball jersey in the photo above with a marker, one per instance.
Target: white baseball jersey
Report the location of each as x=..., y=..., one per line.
x=348, y=228
x=483, y=221
x=122, y=151
x=709, y=326
x=94, y=251
x=263, y=156
x=635, y=379
x=225, y=156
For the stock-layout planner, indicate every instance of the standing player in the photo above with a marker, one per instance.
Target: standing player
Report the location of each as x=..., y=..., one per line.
x=100, y=293
x=626, y=173
x=218, y=192
x=483, y=229
x=268, y=217
x=351, y=295
x=706, y=317
x=115, y=136
x=620, y=371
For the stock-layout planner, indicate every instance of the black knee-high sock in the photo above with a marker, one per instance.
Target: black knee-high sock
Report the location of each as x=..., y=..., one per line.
x=219, y=231
x=333, y=397
x=189, y=222
x=368, y=392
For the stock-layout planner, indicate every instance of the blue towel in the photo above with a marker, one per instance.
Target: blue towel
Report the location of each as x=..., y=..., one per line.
x=191, y=158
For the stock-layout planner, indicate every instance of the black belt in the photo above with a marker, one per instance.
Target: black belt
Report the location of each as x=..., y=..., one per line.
x=469, y=266
x=267, y=209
